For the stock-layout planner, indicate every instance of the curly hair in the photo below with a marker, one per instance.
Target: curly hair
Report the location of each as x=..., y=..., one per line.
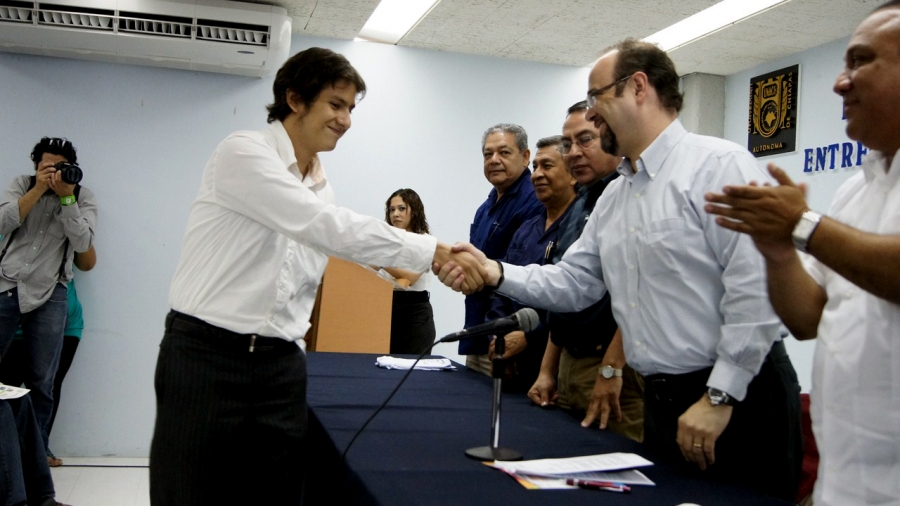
x=54, y=146
x=417, y=221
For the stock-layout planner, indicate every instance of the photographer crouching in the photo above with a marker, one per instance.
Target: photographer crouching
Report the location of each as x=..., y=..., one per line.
x=44, y=220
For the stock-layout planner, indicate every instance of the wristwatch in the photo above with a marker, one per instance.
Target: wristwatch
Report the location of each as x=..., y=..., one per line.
x=804, y=229
x=68, y=200
x=608, y=371
x=717, y=397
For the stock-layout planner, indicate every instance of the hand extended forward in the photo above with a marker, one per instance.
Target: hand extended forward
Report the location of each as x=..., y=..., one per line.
x=465, y=269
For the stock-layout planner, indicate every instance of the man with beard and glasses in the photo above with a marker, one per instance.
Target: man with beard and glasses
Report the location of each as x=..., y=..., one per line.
x=721, y=396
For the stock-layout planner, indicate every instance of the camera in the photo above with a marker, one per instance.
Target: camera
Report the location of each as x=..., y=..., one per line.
x=69, y=172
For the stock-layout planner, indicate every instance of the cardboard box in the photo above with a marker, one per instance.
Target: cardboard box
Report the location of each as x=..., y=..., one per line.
x=353, y=311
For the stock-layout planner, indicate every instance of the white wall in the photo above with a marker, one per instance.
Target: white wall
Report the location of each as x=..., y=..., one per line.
x=144, y=134
x=819, y=125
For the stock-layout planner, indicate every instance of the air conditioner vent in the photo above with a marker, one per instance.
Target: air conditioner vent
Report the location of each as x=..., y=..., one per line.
x=225, y=36
x=71, y=16
x=12, y=11
x=222, y=31
x=152, y=24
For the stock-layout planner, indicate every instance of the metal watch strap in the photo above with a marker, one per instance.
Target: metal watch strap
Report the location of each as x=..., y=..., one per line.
x=608, y=372
x=803, y=230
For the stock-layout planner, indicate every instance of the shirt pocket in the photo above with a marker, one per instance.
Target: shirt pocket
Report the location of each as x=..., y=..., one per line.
x=661, y=245
x=56, y=230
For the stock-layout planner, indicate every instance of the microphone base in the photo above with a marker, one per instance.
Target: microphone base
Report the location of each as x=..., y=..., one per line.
x=487, y=453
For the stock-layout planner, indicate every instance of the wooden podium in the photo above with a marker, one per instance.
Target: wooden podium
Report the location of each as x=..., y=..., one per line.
x=352, y=312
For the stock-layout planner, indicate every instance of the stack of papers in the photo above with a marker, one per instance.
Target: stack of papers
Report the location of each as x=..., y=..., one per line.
x=546, y=474
x=428, y=364
x=8, y=392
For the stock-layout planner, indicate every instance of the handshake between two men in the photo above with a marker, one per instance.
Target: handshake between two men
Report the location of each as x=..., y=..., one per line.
x=464, y=268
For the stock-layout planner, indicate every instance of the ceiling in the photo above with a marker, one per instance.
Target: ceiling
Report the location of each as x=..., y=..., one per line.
x=573, y=32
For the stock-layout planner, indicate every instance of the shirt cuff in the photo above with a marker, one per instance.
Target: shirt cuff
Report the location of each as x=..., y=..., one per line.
x=513, y=280
x=71, y=211
x=730, y=378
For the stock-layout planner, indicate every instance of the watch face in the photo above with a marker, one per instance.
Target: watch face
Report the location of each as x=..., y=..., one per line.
x=606, y=372
x=717, y=397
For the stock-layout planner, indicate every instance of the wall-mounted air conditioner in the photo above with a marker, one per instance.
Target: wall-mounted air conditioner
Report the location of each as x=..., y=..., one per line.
x=208, y=35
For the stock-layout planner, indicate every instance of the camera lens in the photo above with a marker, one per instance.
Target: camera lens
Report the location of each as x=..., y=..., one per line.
x=69, y=172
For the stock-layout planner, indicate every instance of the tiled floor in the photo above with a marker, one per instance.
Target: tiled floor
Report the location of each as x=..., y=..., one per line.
x=102, y=482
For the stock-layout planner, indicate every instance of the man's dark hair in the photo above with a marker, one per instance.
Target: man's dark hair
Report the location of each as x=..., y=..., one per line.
x=307, y=73
x=639, y=56
x=577, y=107
x=553, y=140
x=54, y=146
x=417, y=222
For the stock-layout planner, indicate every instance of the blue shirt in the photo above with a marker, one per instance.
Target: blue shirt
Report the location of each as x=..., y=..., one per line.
x=687, y=293
x=492, y=230
x=531, y=244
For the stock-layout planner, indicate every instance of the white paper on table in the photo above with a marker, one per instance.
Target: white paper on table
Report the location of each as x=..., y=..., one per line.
x=587, y=463
x=626, y=477
x=427, y=364
x=558, y=482
x=9, y=392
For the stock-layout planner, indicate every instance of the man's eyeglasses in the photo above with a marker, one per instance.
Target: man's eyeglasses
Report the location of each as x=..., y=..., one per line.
x=593, y=94
x=584, y=141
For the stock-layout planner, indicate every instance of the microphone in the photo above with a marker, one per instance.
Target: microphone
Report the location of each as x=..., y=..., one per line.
x=525, y=319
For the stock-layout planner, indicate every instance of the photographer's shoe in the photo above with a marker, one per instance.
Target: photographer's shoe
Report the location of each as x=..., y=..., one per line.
x=53, y=461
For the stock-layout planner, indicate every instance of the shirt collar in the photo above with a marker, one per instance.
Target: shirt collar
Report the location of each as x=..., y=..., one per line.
x=875, y=167
x=315, y=174
x=651, y=160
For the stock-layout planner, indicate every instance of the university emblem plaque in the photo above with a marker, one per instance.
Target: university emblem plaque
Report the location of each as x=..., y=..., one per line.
x=773, y=112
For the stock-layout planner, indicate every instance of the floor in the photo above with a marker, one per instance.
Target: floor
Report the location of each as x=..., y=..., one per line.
x=102, y=482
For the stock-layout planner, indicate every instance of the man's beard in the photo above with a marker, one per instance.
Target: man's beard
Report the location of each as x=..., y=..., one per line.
x=608, y=141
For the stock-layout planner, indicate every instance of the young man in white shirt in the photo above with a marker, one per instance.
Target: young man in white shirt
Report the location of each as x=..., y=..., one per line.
x=231, y=374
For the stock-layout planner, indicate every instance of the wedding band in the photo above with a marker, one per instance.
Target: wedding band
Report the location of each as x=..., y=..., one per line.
x=698, y=445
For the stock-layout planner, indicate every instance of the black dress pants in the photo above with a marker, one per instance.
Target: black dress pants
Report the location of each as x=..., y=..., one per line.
x=230, y=421
x=762, y=445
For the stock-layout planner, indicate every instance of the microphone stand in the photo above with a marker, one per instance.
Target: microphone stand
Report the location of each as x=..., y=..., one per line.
x=493, y=451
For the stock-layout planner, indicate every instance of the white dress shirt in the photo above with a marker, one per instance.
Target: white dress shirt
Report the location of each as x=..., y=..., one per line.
x=855, y=397
x=259, y=236
x=687, y=293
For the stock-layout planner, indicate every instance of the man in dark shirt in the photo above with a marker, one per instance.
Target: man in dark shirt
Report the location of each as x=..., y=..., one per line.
x=510, y=203
x=533, y=243
x=577, y=355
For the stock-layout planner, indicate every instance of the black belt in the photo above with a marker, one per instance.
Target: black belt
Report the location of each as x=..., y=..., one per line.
x=224, y=338
x=410, y=297
x=666, y=386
